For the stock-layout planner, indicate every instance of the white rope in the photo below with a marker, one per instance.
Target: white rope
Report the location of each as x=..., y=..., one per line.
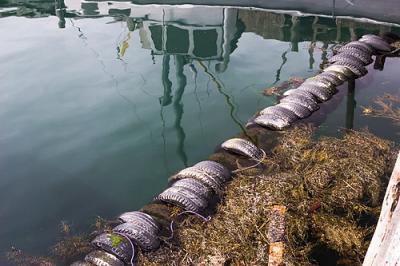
x=252, y=166
x=171, y=226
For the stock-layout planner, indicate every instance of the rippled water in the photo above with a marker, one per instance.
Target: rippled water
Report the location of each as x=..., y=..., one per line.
x=101, y=103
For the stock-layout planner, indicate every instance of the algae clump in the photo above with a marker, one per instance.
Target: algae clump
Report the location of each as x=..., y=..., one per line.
x=331, y=189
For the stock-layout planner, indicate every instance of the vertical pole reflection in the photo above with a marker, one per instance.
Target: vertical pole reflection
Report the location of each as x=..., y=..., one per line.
x=166, y=99
x=178, y=107
x=60, y=9
x=351, y=104
x=294, y=38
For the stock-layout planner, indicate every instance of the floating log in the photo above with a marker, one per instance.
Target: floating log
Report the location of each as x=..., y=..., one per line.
x=384, y=247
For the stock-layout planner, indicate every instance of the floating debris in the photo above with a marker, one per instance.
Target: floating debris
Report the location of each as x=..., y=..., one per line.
x=293, y=82
x=367, y=110
x=271, y=91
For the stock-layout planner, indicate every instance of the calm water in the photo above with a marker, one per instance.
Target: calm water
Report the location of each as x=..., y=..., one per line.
x=100, y=104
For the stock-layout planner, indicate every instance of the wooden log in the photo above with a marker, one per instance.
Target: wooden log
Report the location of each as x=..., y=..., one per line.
x=385, y=245
x=277, y=235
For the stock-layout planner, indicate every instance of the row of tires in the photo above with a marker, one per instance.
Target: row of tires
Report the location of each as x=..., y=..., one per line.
x=348, y=63
x=193, y=188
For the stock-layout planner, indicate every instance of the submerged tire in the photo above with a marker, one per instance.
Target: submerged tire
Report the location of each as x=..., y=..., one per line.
x=211, y=181
x=299, y=110
x=302, y=100
x=320, y=93
x=199, y=187
x=358, y=69
x=336, y=77
x=376, y=42
x=144, y=219
x=379, y=45
x=140, y=235
x=116, y=245
x=342, y=70
x=214, y=168
x=351, y=57
x=329, y=89
x=319, y=83
x=300, y=92
x=271, y=121
x=183, y=197
x=243, y=147
x=283, y=113
x=102, y=258
x=357, y=45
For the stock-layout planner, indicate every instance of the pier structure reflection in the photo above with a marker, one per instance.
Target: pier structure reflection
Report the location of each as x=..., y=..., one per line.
x=188, y=37
x=205, y=37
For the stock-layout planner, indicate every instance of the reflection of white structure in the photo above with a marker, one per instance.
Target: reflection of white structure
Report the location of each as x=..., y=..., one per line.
x=199, y=32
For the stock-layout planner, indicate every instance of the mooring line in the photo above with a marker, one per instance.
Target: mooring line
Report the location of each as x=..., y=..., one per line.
x=171, y=226
x=252, y=166
x=132, y=245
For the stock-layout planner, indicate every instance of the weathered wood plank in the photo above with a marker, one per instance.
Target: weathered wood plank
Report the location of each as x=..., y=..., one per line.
x=277, y=235
x=385, y=245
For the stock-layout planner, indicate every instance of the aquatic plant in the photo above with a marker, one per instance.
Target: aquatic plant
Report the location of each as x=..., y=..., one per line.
x=331, y=189
x=291, y=83
x=388, y=107
x=18, y=257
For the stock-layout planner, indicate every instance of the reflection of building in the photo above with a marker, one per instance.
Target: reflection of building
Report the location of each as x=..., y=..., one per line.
x=186, y=35
x=199, y=34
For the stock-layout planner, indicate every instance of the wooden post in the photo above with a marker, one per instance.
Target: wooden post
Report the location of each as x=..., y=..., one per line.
x=277, y=236
x=385, y=245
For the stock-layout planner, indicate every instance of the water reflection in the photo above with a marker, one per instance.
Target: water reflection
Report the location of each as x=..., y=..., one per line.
x=204, y=36
x=190, y=37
